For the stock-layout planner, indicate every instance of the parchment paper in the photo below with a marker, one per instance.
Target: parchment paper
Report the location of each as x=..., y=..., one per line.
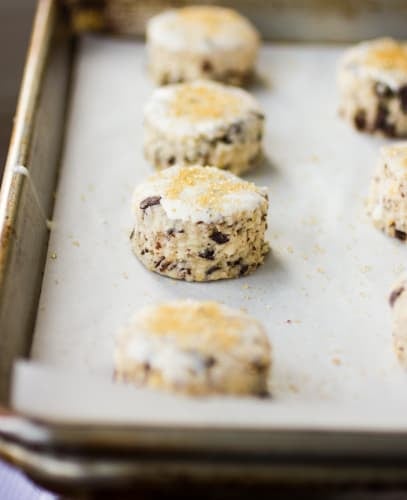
x=322, y=294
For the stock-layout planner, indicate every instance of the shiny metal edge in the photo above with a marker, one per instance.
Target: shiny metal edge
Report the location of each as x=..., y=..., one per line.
x=23, y=127
x=35, y=146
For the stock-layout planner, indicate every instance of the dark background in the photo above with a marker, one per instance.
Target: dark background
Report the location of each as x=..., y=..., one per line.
x=15, y=27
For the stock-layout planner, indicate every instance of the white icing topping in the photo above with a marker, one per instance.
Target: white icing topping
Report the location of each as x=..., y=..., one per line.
x=198, y=193
x=198, y=108
x=201, y=29
x=383, y=60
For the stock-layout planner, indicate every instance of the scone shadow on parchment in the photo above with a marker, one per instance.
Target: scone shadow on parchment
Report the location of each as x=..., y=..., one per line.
x=259, y=81
x=265, y=167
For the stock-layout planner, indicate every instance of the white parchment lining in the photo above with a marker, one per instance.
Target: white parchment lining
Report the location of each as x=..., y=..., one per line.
x=322, y=294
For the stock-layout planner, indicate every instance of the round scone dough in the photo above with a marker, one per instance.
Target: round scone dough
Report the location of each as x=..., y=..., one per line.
x=196, y=348
x=203, y=123
x=201, y=42
x=199, y=224
x=398, y=304
x=373, y=87
x=387, y=203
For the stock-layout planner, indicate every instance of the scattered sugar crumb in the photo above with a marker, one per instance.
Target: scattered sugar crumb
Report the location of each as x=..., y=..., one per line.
x=56, y=282
x=245, y=286
x=293, y=388
x=320, y=270
x=83, y=197
x=290, y=249
x=366, y=269
x=336, y=361
x=76, y=243
x=243, y=309
x=310, y=220
x=305, y=257
x=125, y=276
x=315, y=158
x=53, y=255
x=318, y=249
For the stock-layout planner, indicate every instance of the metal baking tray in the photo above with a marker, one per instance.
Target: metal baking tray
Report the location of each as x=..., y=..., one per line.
x=63, y=449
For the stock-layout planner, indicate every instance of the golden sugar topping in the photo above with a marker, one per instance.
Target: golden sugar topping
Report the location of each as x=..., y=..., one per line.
x=208, y=19
x=191, y=318
x=215, y=185
x=203, y=102
x=389, y=55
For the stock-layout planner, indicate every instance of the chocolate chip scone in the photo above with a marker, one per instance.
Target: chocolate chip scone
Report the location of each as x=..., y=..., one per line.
x=387, y=203
x=373, y=87
x=199, y=224
x=195, y=348
x=203, y=123
x=398, y=304
x=201, y=42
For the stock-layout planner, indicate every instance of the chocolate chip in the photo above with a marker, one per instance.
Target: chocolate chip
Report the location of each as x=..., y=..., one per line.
x=258, y=366
x=212, y=270
x=171, y=160
x=146, y=366
x=208, y=254
x=360, y=119
x=381, y=117
x=403, y=98
x=381, y=121
x=401, y=235
x=264, y=393
x=395, y=294
x=206, y=66
x=383, y=90
x=210, y=361
x=131, y=234
x=156, y=264
x=226, y=139
x=164, y=266
x=259, y=136
x=219, y=237
x=150, y=202
x=235, y=129
x=171, y=231
x=243, y=269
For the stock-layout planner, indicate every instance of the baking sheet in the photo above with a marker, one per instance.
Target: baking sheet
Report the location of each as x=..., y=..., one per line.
x=322, y=293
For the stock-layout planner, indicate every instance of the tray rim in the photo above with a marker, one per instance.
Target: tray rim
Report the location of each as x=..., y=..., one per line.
x=22, y=437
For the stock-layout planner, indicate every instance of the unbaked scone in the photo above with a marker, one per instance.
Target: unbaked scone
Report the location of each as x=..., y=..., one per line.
x=195, y=348
x=373, y=86
x=199, y=224
x=387, y=203
x=201, y=42
x=398, y=304
x=203, y=123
